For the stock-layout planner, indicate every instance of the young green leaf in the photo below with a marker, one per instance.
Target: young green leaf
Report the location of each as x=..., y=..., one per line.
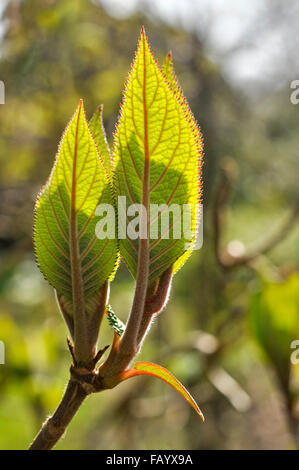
x=157, y=154
x=168, y=71
x=148, y=368
x=96, y=126
x=116, y=324
x=74, y=261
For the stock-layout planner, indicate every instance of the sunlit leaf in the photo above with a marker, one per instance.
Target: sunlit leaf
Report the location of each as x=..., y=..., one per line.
x=157, y=153
x=148, y=368
x=74, y=261
x=168, y=70
x=96, y=126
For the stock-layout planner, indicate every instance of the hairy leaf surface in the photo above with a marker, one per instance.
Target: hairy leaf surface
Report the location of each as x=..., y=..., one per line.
x=96, y=126
x=74, y=261
x=168, y=70
x=157, y=153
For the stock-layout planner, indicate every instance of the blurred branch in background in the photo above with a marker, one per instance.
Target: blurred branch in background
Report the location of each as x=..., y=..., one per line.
x=232, y=256
x=266, y=326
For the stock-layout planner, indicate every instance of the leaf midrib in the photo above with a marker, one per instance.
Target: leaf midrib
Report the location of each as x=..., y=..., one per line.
x=77, y=281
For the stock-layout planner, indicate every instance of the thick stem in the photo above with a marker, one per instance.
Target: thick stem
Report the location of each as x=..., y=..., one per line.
x=56, y=425
x=95, y=320
x=155, y=303
x=128, y=343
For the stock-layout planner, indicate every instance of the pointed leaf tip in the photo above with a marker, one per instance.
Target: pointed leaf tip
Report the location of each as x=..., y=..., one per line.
x=66, y=247
x=96, y=126
x=149, y=368
x=156, y=158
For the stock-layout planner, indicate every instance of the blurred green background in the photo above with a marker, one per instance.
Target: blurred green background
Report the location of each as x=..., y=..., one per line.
x=227, y=329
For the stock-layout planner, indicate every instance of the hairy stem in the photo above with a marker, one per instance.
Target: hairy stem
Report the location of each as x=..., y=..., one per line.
x=82, y=348
x=155, y=303
x=56, y=425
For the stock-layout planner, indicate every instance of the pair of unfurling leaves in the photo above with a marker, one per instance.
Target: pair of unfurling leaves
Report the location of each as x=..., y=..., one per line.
x=156, y=159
